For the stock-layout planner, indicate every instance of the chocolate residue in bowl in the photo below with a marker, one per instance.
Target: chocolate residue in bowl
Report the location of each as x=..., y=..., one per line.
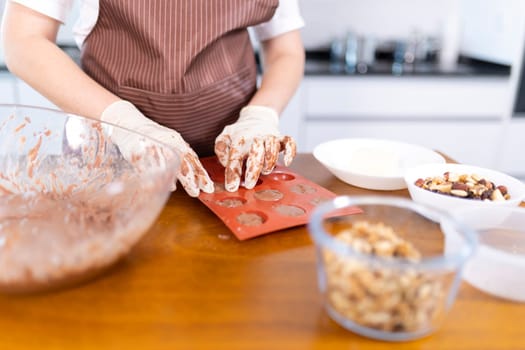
x=69, y=211
x=47, y=240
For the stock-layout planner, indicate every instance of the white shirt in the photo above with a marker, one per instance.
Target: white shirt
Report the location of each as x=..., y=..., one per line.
x=286, y=18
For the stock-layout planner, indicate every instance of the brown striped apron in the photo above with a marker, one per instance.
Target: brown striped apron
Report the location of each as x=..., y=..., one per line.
x=186, y=64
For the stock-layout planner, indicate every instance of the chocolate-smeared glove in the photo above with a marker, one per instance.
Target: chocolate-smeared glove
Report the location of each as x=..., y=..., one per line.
x=254, y=137
x=192, y=175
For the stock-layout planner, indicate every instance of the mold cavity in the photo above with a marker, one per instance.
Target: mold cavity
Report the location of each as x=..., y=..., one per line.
x=231, y=202
x=318, y=200
x=303, y=189
x=289, y=210
x=268, y=195
x=259, y=182
x=281, y=176
x=251, y=218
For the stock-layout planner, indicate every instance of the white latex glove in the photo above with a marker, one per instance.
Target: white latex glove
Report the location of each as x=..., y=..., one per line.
x=255, y=137
x=192, y=175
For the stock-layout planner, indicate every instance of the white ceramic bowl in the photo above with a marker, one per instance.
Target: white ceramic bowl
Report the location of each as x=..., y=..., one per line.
x=373, y=163
x=515, y=187
x=498, y=266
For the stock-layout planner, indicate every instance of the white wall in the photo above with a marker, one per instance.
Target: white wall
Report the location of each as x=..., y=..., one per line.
x=383, y=19
x=493, y=29
x=484, y=29
x=326, y=19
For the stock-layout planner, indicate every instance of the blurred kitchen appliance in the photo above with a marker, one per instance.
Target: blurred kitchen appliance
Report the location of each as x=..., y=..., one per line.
x=491, y=29
x=352, y=53
x=517, y=81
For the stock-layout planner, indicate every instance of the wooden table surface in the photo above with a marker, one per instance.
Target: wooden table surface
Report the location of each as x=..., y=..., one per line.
x=190, y=285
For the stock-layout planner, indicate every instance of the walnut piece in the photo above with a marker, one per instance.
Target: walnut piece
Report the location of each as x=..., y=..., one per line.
x=388, y=299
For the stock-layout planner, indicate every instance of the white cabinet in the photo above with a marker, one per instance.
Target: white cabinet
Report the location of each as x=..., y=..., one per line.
x=14, y=90
x=292, y=117
x=7, y=88
x=29, y=96
x=460, y=116
x=405, y=97
x=511, y=155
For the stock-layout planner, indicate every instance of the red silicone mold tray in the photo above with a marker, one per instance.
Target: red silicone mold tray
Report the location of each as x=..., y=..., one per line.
x=280, y=200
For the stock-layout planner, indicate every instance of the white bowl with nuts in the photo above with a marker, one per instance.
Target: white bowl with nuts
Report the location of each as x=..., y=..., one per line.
x=453, y=186
x=384, y=272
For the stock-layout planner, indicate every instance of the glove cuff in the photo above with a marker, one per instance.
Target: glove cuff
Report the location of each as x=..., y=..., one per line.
x=124, y=113
x=259, y=113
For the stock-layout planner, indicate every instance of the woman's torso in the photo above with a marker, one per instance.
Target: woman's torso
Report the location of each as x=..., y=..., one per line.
x=187, y=64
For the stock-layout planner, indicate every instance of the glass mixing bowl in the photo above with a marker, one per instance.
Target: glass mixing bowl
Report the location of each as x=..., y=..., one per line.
x=385, y=273
x=70, y=203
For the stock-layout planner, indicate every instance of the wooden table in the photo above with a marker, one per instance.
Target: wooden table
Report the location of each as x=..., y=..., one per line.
x=190, y=285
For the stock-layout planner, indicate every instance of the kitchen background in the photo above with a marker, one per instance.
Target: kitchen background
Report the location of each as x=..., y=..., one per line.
x=443, y=74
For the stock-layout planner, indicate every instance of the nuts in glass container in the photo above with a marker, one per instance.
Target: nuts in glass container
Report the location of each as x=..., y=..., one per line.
x=470, y=186
x=394, y=299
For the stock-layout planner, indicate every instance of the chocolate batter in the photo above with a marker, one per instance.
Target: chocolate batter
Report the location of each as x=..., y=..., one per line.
x=303, y=189
x=318, y=200
x=219, y=187
x=46, y=239
x=268, y=195
x=289, y=210
x=251, y=219
x=231, y=202
x=281, y=176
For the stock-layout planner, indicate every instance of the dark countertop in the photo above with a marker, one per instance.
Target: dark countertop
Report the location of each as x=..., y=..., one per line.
x=318, y=63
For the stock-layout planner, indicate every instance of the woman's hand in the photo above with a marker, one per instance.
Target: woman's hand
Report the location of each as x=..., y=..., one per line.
x=254, y=137
x=192, y=175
